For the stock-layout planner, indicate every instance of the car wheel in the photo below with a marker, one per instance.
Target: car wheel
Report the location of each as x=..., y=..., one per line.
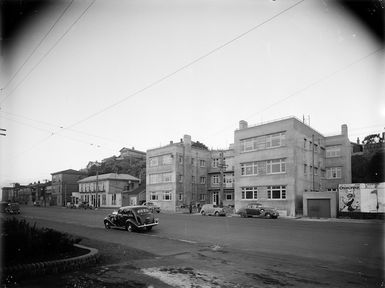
x=129, y=227
x=203, y=213
x=267, y=215
x=216, y=213
x=107, y=225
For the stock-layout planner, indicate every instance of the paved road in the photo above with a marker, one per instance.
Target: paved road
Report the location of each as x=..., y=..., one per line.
x=352, y=251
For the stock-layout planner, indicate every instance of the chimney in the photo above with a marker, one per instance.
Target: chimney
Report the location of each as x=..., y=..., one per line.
x=344, y=130
x=171, y=142
x=187, y=139
x=358, y=140
x=242, y=124
x=133, y=148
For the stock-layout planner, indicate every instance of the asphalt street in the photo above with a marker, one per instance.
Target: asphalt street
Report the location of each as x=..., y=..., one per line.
x=249, y=252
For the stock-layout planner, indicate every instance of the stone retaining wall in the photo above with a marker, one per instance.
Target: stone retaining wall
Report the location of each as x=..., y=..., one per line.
x=51, y=267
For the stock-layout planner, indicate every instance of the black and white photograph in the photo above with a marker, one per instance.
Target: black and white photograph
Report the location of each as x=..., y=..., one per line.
x=192, y=143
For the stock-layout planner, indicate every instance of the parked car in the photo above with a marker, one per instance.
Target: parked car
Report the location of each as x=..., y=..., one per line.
x=131, y=218
x=86, y=205
x=36, y=203
x=12, y=208
x=212, y=209
x=152, y=206
x=258, y=210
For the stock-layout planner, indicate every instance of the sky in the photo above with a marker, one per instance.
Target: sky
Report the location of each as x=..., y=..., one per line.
x=87, y=78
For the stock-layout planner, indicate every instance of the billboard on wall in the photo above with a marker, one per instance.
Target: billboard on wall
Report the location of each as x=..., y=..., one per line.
x=362, y=197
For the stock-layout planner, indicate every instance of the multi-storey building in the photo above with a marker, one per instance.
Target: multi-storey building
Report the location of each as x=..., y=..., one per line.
x=104, y=190
x=221, y=177
x=276, y=162
x=176, y=174
x=63, y=184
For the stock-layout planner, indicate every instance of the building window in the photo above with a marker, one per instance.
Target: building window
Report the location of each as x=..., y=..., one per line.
x=113, y=199
x=250, y=168
x=180, y=198
x=160, y=178
x=104, y=199
x=276, y=192
x=166, y=195
x=263, y=142
x=215, y=179
x=180, y=178
x=333, y=173
x=154, y=161
x=153, y=196
x=180, y=159
x=192, y=179
x=215, y=163
x=332, y=189
x=315, y=171
x=304, y=169
x=202, y=197
x=333, y=151
x=275, y=166
x=202, y=180
x=192, y=161
x=202, y=163
x=249, y=193
x=229, y=196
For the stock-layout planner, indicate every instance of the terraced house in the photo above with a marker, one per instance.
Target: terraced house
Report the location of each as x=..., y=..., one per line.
x=277, y=162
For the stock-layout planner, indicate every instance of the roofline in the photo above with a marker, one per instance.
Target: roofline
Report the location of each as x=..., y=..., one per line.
x=278, y=120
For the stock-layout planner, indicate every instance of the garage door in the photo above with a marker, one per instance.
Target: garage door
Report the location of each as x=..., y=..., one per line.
x=318, y=208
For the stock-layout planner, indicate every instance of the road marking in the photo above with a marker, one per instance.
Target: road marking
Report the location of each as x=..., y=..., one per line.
x=174, y=239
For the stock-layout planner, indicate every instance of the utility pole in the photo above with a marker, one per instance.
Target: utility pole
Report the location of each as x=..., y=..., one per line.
x=97, y=185
x=312, y=138
x=221, y=166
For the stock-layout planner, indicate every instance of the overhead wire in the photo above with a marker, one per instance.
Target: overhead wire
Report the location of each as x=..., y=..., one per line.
x=48, y=52
x=38, y=45
x=169, y=75
x=299, y=91
x=156, y=82
x=58, y=126
x=51, y=133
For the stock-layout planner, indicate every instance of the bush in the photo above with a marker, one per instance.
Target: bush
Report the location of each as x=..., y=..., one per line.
x=24, y=243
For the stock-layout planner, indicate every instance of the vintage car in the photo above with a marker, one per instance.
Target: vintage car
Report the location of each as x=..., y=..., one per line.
x=152, y=206
x=212, y=209
x=258, y=210
x=131, y=218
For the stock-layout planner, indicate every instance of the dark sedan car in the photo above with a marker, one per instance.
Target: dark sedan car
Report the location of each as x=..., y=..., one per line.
x=258, y=210
x=131, y=218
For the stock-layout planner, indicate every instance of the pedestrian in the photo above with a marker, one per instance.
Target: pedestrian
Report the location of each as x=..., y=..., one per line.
x=190, y=207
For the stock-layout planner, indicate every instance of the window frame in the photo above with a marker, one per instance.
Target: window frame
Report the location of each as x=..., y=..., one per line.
x=276, y=188
x=251, y=190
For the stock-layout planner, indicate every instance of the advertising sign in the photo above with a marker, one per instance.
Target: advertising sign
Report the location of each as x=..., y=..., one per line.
x=368, y=198
x=349, y=197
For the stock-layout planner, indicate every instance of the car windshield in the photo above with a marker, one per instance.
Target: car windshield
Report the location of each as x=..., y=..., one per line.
x=142, y=211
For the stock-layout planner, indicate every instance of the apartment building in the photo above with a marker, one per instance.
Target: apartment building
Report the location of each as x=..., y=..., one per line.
x=221, y=169
x=176, y=174
x=105, y=190
x=276, y=162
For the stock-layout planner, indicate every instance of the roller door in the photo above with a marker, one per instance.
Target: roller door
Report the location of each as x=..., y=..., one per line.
x=318, y=208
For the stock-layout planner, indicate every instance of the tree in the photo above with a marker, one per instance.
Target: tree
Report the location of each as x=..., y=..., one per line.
x=376, y=167
x=372, y=138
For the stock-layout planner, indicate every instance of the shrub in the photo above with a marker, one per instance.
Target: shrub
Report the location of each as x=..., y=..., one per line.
x=24, y=243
